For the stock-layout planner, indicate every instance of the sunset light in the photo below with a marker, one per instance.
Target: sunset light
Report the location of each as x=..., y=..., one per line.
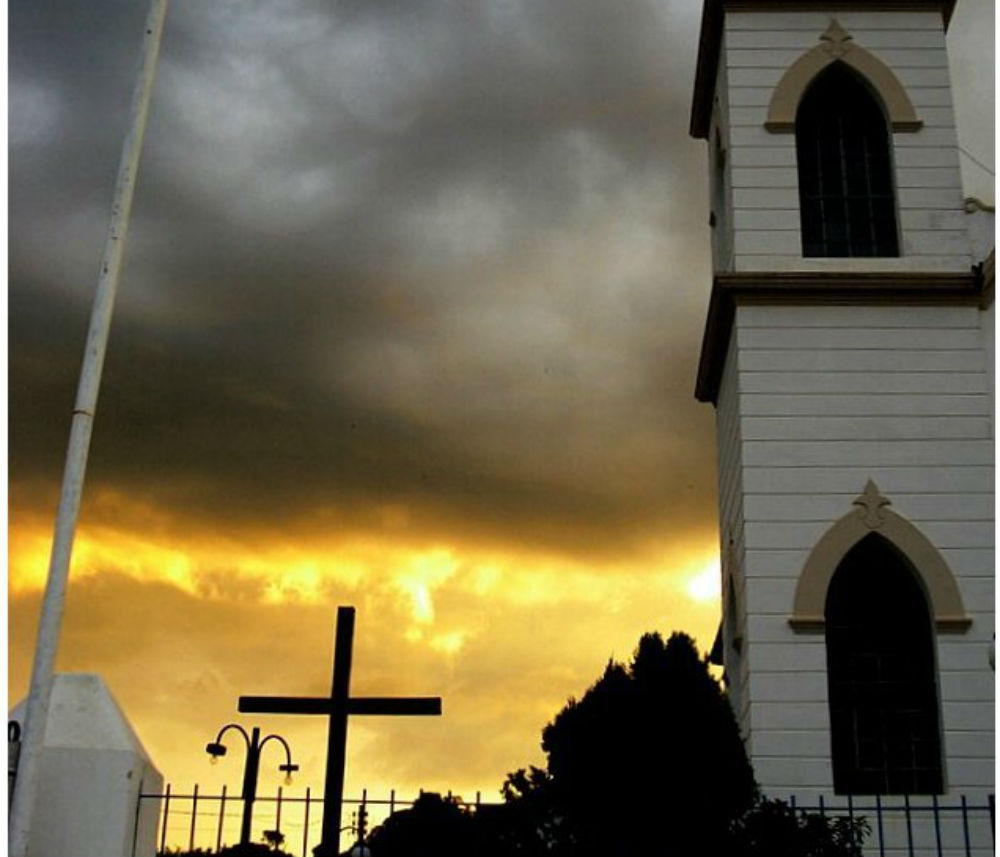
x=410, y=321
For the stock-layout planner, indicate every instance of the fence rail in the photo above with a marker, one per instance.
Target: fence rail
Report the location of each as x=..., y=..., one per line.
x=904, y=826
x=212, y=822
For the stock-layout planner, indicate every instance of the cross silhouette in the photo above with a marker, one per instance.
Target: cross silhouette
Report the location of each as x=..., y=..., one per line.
x=338, y=706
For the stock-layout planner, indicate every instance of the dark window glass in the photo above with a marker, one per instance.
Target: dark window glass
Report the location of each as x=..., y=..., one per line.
x=845, y=173
x=882, y=680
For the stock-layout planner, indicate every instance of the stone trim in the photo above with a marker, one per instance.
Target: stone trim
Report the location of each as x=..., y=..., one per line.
x=792, y=288
x=837, y=45
x=872, y=515
x=713, y=21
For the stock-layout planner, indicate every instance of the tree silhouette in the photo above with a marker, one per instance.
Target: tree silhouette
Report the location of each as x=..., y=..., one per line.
x=648, y=761
x=433, y=827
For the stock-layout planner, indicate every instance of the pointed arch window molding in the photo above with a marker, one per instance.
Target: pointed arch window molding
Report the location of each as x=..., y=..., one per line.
x=872, y=515
x=837, y=45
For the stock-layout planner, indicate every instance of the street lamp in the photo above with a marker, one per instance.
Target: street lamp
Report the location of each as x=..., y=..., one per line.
x=216, y=748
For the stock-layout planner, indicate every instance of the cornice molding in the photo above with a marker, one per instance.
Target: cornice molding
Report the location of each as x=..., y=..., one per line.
x=792, y=288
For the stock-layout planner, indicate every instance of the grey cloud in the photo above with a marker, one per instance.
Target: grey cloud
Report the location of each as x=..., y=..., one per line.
x=439, y=254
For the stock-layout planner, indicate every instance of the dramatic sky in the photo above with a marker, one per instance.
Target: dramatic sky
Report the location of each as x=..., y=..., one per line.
x=410, y=321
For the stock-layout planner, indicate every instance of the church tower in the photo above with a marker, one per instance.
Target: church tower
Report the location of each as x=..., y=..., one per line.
x=848, y=354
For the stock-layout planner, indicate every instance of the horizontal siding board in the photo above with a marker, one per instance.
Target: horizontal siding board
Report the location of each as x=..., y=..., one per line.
x=975, y=773
x=938, y=243
x=867, y=338
x=864, y=382
x=924, y=219
x=860, y=405
x=763, y=156
x=749, y=96
x=807, y=743
x=937, y=117
x=930, y=96
x=765, y=177
x=862, y=428
x=967, y=744
x=770, y=629
x=788, y=687
x=794, y=773
x=786, y=198
x=891, y=481
x=945, y=199
x=914, y=453
x=958, y=534
x=787, y=242
x=955, y=653
x=926, y=156
x=772, y=219
x=747, y=116
x=777, y=715
x=766, y=78
x=967, y=686
x=818, y=21
x=772, y=595
x=887, y=362
x=897, y=37
x=804, y=654
x=926, y=176
x=925, y=138
x=965, y=716
x=913, y=79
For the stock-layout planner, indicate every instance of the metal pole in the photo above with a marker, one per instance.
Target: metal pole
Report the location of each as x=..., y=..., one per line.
x=250, y=785
x=194, y=817
x=39, y=694
x=222, y=818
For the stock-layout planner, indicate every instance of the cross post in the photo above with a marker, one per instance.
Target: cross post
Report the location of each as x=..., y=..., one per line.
x=338, y=707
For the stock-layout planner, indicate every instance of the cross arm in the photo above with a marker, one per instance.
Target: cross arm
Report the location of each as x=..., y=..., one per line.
x=371, y=705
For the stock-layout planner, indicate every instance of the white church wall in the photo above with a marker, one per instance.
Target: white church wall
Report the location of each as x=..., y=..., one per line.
x=720, y=173
x=817, y=424
x=730, y=513
x=758, y=48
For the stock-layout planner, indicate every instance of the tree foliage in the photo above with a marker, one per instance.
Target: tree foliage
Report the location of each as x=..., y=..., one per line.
x=649, y=758
x=648, y=761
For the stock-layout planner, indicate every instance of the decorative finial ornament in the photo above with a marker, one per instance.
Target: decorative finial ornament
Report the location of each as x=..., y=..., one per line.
x=870, y=504
x=837, y=40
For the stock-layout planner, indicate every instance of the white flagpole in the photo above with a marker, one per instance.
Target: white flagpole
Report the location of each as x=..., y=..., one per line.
x=39, y=694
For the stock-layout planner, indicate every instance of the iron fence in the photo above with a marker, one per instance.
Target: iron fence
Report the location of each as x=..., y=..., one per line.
x=211, y=822
x=917, y=826
x=904, y=826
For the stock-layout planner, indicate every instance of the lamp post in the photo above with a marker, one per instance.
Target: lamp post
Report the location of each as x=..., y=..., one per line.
x=216, y=748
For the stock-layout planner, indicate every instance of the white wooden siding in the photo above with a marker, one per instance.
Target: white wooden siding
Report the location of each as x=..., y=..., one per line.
x=814, y=402
x=758, y=48
x=730, y=514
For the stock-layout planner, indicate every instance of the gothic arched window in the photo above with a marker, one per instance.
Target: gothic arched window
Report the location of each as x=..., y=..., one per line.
x=884, y=722
x=846, y=190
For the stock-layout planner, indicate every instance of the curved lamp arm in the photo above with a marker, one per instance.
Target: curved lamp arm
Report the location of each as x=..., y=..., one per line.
x=216, y=748
x=288, y=767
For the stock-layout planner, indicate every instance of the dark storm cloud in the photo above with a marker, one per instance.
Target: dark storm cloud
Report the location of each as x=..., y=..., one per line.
x=442, y=254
